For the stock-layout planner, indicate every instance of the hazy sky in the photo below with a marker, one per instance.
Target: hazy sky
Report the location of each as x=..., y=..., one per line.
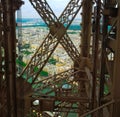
x=57, y=6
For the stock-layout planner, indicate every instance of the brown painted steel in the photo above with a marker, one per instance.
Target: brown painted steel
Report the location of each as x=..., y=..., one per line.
x=51, y=41
x=81, y=82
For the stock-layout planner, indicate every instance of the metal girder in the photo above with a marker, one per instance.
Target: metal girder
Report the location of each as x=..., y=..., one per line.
x=45, y=50
x=65, y=108
x=44, y=10
x=83, y=87
x=98, y=109
x=56, y=82
x=55, y=78
x=111, y=44
x=4, y=101
x=116, y=73
x=86, y=28
x=73, y=99
x=108, y=50
x=95, y=54
x=7, y=59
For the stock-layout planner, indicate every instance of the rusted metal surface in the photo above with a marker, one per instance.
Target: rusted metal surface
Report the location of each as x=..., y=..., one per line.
x=3, y=81
x=42, y=7
x=51, y=41
x=8, y=56
x=85, y=53
x=96, y=48
x=96, y=110
x=5, y=92
x=116, y=74
x=81, y=81
x=86, y=28
x=24, y=90
x=108, y=55
x=54, y=25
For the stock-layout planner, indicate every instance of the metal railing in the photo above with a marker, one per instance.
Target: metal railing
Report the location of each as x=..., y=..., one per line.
x=97, y=111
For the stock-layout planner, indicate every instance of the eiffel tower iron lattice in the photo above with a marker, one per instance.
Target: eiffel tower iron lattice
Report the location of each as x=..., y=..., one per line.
x=58, y=29
x=67, y=75
x=101, y=83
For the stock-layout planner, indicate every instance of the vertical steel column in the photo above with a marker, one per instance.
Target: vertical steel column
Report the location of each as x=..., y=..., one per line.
x=86, y=28
x=85, y=44
x=10, y=53
x=1, y=38
x=96, y=47
x=3, y=85
x=4, y=80
x=1, y=23
x=20, y=100
x=8, y=106
x=103, y=61
x=116, y=73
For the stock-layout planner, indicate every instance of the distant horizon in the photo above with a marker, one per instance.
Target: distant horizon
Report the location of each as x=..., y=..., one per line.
x=41, y=18
x=37, y=22
x=57, y=6
x=23, y=20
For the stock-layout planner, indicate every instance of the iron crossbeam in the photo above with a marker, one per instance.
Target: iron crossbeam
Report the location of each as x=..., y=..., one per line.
x=8, y=106
x=56, y=78
x=44, y=10
x=43, y=53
